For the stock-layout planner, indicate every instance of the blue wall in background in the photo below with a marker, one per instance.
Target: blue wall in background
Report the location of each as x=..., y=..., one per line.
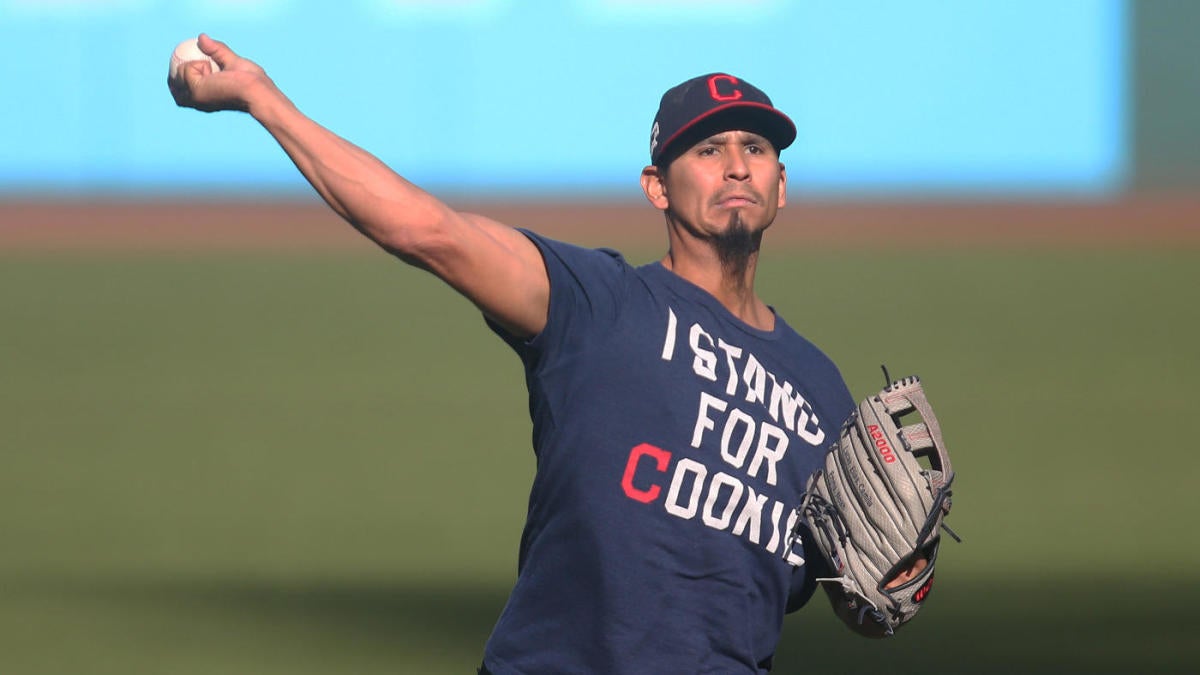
x=555, y=98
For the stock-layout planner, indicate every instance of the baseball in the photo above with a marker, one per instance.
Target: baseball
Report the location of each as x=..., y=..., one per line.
x=188, y=50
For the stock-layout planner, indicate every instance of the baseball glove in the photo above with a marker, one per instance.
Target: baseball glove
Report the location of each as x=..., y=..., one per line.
x=876, y=507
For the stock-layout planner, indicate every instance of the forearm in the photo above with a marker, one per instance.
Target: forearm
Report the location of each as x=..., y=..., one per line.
x=357, y=186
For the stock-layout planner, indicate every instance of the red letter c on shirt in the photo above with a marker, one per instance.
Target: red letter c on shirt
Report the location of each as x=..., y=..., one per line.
x=661, y=459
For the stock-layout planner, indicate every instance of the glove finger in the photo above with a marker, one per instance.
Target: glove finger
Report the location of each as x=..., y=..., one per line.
x=861, y=510
x=892, y=472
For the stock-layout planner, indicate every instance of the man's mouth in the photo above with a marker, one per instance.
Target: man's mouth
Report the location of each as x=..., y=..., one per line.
x=735, y=201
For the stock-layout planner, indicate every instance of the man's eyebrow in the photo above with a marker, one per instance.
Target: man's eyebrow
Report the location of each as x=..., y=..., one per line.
x=744, y=136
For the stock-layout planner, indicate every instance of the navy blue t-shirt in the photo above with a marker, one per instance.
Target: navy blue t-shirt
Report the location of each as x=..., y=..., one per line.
x=672, y=443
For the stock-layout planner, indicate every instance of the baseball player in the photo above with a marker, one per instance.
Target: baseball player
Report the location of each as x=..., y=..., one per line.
x=676, y=416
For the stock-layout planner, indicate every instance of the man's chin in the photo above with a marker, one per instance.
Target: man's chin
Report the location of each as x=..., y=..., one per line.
x=744, y=221
x=736, y=245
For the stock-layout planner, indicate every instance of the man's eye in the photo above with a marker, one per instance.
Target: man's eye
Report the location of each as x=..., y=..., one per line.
x=705, y=152
x=754, y=149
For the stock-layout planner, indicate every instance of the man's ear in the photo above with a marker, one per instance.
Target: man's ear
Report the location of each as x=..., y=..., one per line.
x=655, y=187
x=782, y=185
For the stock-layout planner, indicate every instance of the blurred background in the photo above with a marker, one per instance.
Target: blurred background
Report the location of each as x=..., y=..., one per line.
x=544, y=99
x=237, y=438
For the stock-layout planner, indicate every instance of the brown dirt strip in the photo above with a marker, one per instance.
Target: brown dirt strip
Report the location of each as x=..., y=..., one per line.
x=1141, y=221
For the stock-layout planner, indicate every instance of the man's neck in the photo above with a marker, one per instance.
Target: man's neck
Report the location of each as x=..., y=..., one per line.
x=734, y=291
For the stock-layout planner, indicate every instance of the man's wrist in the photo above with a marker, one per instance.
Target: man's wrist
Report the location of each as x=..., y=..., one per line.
x=265, y=102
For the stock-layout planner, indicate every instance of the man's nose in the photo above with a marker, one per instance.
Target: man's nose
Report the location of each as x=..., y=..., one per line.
x=736, y=166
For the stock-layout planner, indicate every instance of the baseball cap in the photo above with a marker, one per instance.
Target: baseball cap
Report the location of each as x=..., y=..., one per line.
x=709, y=104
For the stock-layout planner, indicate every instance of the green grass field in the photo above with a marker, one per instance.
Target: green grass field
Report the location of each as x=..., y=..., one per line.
x=318, y=464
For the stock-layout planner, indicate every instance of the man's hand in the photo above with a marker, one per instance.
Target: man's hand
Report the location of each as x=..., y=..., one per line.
x=908, y=573
x=232, y=88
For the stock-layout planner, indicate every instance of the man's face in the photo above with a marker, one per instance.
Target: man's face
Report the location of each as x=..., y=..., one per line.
x=730, y=179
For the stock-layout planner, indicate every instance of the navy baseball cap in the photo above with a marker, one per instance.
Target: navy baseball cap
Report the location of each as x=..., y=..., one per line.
x=709, y=104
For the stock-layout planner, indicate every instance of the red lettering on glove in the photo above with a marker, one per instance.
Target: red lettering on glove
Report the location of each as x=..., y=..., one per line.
x=923, y=591
x=882, y=444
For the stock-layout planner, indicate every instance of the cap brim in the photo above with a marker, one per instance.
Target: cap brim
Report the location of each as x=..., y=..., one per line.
x=760, y=118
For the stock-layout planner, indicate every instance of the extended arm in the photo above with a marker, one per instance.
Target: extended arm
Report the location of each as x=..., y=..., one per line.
x=494, y=266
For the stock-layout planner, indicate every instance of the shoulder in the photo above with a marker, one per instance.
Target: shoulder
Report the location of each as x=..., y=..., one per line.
x=596, y=278
x=561, y=252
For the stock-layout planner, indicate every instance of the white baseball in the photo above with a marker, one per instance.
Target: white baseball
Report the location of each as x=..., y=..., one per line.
x=188, y=50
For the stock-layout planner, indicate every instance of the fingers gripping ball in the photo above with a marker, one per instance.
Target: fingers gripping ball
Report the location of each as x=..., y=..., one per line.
x=188, y=50
x=876, y=507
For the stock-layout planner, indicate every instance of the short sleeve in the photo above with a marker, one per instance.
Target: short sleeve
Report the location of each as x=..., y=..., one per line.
x=586, y=289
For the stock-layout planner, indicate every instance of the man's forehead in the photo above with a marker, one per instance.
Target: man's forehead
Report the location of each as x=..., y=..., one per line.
x=734, y=135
